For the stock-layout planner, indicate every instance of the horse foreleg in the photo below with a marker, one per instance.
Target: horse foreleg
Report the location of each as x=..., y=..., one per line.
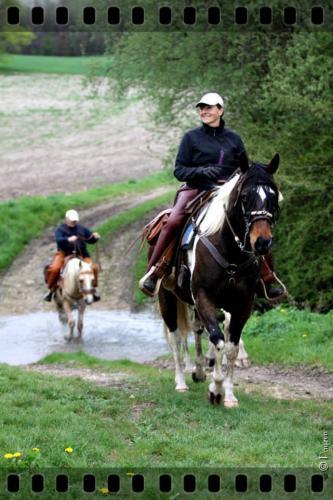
x=207, y=312
x=80, y=320
x=198, y=374
x=70, y=320
x=231, y=351
x=233, y=332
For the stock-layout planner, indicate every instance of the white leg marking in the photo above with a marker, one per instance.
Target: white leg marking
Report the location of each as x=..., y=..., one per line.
x=242, y=360
x=175, y=344
x=187, y=358
x=231, y=351
x=216, y=386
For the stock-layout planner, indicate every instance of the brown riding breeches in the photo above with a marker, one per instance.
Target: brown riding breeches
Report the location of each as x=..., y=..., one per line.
x=174, y=224
x=53, y=270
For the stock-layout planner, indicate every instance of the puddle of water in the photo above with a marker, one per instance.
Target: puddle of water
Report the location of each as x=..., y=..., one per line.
x=107, y=334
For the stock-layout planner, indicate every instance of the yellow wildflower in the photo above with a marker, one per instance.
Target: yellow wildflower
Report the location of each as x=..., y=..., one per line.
x=130, y=474
x=104, y=491
x=69, y=450
x=8, y=455
x=17, y=454
x=304, y=335
x=35, y=449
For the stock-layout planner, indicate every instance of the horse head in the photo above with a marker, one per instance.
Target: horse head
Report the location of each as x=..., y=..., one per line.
x=86, y=282
x=257, y=199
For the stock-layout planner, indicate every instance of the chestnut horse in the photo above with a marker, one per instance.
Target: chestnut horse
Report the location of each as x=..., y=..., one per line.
x=224, y=264
x=75, y=291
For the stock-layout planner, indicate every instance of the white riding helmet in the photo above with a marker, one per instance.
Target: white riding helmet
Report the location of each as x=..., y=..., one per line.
x=211, y=99
x=72, y=216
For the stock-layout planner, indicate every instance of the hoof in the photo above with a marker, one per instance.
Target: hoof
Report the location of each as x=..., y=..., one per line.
x=243, y=363
x=182, y=388
x=214, y=399
x=231, y=404
x=196, y=379
x=68, y=338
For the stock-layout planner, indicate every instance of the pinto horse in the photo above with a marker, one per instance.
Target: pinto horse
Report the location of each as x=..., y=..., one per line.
x=75, y=291
x=224, y=263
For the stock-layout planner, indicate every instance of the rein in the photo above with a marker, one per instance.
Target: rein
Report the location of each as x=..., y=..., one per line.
x=230, y=268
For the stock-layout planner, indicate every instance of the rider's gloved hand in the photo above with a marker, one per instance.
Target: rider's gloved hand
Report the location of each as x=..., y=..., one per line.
x=212, y=173
x=73, y=238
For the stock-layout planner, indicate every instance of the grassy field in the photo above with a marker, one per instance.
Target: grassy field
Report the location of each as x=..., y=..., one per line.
x=146, y=423
x=290, y=336
x=84, y=65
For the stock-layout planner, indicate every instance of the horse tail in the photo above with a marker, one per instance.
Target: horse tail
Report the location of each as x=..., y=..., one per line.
x=184, y=322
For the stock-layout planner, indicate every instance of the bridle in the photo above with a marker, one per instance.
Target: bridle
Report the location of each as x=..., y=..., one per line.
x=86, y=291
x=250, y=217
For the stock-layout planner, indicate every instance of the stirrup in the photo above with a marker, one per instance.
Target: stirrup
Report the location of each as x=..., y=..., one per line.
x=279, y=297
x=144, y=278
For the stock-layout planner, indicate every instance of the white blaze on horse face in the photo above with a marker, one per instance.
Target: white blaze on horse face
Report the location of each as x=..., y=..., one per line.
x=261, y=193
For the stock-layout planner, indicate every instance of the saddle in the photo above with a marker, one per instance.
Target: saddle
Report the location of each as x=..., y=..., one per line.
x=172, y=262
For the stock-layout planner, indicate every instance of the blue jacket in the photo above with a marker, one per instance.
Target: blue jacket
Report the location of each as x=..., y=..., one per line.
x=62, y=234
x=204, y=147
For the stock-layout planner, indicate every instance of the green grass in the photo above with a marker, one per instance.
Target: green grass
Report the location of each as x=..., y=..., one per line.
x=145, y=423
x=290, y=336
x=23, y=219
x=53, y=64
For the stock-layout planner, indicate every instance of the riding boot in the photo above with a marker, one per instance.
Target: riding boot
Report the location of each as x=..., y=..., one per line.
x=269, y=286
x=49, y=296
x=150, y=283
x=162, y=255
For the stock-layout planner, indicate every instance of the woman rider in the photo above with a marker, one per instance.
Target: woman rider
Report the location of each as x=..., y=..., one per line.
x=207, y=156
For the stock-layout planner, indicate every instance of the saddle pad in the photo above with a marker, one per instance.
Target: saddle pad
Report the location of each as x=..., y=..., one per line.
x=188, y=236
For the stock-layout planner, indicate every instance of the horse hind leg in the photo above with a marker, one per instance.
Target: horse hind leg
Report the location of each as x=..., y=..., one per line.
x=168, y=307
x=198, y=374
x=242, y=360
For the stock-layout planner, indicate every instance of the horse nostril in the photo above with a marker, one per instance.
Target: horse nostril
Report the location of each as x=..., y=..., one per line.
x=262, y=245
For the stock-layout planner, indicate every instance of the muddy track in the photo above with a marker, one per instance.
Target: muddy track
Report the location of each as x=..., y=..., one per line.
x=272, y=380
x=22, y=286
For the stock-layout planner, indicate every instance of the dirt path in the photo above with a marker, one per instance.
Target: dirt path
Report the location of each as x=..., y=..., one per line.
x=272, y=381
x=22, y=286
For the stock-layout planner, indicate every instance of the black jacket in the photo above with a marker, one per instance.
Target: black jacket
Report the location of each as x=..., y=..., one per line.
x=204, y=147
x=62, y=234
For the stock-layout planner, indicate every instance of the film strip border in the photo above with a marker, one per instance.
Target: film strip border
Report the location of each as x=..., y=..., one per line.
x=301, y=484
x=129, y=16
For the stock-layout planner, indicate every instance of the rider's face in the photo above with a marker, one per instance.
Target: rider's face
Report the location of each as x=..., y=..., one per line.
x=71, y=223
x=210, y=115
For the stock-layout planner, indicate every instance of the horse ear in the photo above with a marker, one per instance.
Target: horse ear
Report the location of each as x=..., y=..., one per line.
x=243, y=162
x=273, y=164
x=80, y=263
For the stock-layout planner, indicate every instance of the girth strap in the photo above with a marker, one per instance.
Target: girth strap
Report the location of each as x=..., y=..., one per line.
x=231, y=269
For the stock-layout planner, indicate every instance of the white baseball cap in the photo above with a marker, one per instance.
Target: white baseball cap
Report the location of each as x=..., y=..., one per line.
x=211, y=99
x=72, y=216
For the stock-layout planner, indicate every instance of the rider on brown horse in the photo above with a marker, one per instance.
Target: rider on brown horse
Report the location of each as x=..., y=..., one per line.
x=71, y=239
x=207, y=156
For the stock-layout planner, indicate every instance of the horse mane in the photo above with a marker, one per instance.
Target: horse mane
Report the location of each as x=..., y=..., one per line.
x=215, y=215
x=73, y=265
